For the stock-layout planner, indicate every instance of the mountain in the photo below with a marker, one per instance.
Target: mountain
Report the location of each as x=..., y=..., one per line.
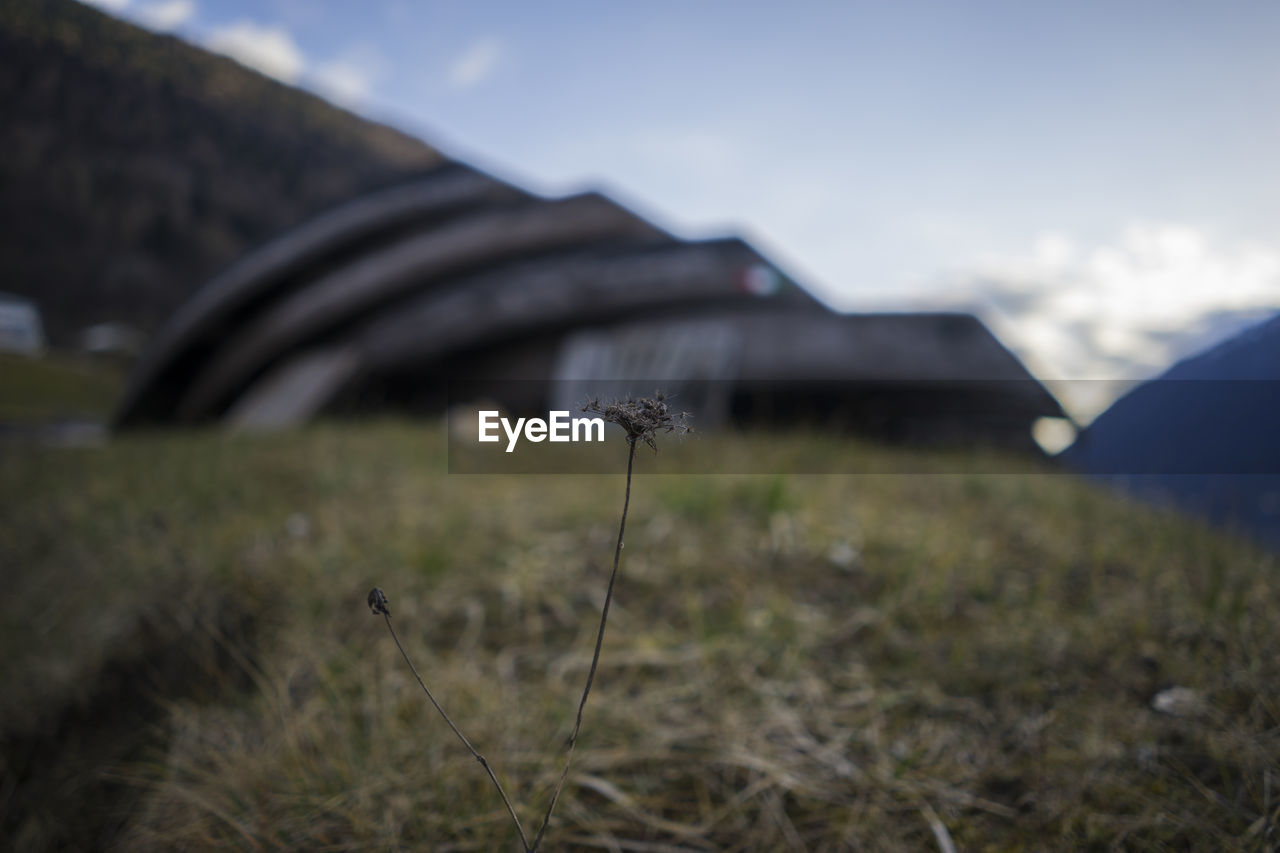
x=1201, y=436
x=137, y=165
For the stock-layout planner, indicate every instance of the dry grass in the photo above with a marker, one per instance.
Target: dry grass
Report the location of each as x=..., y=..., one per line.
x=806, y=663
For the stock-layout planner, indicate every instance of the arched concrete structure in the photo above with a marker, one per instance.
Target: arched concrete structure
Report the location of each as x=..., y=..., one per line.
x=382, y=277
x=547, y=297
x=459, y=273
x=233, y=297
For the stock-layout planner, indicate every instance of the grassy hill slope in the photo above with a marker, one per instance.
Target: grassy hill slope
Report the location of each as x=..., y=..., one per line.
x=820, y=663
x=136, y=165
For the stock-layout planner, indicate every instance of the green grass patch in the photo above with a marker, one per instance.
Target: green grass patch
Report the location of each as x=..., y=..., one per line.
x=57, y=386
x=793, y=662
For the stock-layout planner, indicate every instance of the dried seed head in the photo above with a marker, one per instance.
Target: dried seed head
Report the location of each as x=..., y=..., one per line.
x=642, y=418
x=378, y=602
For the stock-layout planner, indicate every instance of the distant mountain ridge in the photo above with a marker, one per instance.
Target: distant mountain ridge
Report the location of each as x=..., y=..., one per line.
x=1201, y=436
x=137, y=165
x=1253, y=354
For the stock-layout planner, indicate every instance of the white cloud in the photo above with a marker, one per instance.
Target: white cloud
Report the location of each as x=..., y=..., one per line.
x=349, y=77
x=476, y=64
x=167, y=14
x=270, y=50
x=1125, y=310
x=343, y=81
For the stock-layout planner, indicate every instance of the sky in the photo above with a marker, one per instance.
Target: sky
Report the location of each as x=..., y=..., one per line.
x=1099, y=181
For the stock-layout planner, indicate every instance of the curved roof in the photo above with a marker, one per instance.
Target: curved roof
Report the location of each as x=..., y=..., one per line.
x=383, y=276
x=414, y=280
x=283, y=264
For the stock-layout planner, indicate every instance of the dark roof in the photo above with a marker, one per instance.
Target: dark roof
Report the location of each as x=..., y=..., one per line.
x=417, y=279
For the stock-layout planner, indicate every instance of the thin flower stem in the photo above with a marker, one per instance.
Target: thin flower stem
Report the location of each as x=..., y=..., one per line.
x=595, y=658
x=478, y=757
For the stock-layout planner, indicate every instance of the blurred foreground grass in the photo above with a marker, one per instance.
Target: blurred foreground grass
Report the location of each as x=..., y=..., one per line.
x=794, y=662
x=57, y=385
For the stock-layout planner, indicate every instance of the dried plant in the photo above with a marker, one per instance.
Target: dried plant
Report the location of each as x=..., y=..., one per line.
x=378, y=605
x=643, y=419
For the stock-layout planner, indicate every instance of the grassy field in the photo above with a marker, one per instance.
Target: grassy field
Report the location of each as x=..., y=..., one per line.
x=57, y=386
x=874, y=662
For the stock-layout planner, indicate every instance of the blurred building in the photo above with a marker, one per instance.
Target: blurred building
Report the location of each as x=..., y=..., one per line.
x=111, y=340
x=20, y=328
x=457, y=286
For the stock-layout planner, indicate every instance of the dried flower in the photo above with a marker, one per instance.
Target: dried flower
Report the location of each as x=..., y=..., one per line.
x=378, y=602
x=642, y=418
